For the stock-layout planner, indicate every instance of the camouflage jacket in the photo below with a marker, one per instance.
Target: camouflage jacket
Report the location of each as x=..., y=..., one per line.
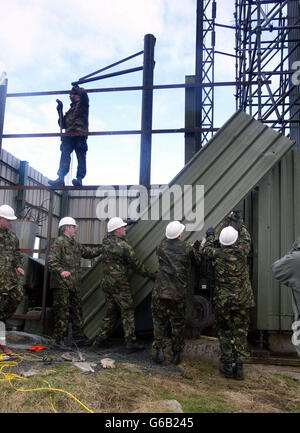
x=10, y=255
x=76, y=118
x=174, y=259
x=233, y=288
x=65, y=255
x=118, y=259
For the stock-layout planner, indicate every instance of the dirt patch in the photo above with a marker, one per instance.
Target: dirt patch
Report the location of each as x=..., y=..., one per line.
x=138, y=385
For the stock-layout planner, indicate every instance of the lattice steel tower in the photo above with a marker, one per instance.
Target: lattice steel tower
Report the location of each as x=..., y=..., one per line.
x=267, y=52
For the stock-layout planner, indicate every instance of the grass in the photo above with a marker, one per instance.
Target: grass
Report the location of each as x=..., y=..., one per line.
x=197, y=385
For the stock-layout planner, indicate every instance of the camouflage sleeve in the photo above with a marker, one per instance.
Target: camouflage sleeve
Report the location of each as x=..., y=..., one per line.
x=244, y=239
x=54, y=259
x=90, y=252
x=18, y=259
x=208, y=249
x=61, y=122
x=194, y=255
x=135, y=264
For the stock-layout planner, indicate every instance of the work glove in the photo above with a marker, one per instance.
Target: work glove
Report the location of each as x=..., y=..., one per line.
x=210, y=231
x=196, y=245
x=237, y=215
x=154, y=276
x=59, y=105
x=235, y=219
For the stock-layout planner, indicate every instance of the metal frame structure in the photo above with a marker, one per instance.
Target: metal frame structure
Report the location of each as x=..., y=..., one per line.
x=267, y=45
x=204, y=96
x=267, y=53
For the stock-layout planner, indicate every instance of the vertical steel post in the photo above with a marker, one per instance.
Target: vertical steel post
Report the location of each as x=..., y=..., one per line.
x=259, y=65
x=199, y=72
x=3, y=91
x=45, y=281
x=189, y=138
x=23, y=180
x=293, y=13
x=147, y=105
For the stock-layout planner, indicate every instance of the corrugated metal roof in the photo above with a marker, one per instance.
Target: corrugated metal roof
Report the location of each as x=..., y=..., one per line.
x=229, y=166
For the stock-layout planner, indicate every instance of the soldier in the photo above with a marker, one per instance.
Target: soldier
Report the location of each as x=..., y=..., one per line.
x=11, y=289
x=169, y=293
x=75, y=120
x=64, y=261
x=233, y=293
x=118, y=259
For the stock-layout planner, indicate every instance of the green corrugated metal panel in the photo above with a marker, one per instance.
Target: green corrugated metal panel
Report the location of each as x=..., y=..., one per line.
x=229, y=166
x=278, y=212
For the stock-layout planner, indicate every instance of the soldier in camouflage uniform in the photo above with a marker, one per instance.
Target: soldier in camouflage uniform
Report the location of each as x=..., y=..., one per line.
x=118, y=259
x=11, y=288
x=169, y=293
x=233, y=293
x=74, y=121
x=64, y=261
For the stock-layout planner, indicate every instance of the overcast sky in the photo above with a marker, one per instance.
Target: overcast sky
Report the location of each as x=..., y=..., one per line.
x=48, y=44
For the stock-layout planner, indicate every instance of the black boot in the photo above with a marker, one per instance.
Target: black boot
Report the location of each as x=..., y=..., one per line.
x=238, y=371
x=58, y=182
x=77, y=182
x=176, y=358
x=82, y=341
x=159, y=356
x=133, y=346
x=103, y=343
x=60, y=345
x=226, y=369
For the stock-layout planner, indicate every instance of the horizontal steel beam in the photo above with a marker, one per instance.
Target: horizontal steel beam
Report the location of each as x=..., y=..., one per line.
x=128, y=132
x=134, y=88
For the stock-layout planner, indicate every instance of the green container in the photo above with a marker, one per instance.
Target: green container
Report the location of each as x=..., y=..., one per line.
x=35, y=326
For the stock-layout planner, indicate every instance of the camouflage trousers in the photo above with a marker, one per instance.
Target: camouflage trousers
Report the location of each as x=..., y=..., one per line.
x=166, y=311
x=117, y=304
x=68, y=144
x=232, y=331
x=67, y=308
x=11, y=294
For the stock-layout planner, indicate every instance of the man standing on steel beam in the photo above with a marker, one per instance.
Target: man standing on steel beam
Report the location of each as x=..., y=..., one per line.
x=11, y=288
x=74, y=121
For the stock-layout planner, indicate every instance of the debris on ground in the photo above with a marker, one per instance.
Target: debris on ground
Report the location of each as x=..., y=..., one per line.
x=70, y=357
x=161, y=406
x=87, y=367
x=108, y=363
x=29, y=373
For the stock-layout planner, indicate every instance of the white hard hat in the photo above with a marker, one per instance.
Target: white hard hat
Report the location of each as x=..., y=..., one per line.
x=228, y=236
x=7, y=212
x=67, y=221
x=174, y=229
x=115, y=223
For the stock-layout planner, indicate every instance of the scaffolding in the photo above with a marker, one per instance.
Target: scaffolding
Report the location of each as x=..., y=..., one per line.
x=267, y=61
x=267, y=46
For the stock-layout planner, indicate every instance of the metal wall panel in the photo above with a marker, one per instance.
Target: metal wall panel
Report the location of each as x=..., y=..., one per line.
x=229, y=166
x=278, y=225
x=9, y=175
